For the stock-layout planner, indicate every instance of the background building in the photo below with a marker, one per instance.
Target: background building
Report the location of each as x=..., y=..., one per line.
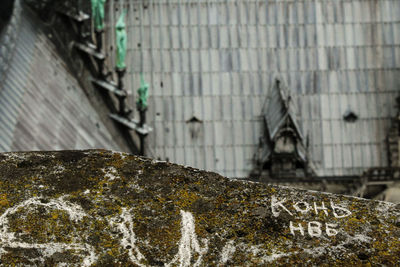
x=212, y=66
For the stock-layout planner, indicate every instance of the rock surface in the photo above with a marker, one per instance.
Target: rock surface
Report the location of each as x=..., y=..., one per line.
x=101, y=208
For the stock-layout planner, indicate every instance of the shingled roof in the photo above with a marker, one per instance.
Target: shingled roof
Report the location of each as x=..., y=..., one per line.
x=42, y=104
x=217, y=60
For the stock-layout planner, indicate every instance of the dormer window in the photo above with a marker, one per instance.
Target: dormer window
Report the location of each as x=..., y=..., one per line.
x=282, y=150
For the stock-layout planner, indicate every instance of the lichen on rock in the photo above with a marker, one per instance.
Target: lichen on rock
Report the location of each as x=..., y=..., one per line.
x=100, y=208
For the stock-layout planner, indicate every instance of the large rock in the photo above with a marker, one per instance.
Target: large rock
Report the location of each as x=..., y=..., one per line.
x=82, y=208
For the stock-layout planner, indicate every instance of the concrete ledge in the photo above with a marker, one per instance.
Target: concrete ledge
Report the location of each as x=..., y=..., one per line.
x=102, y=208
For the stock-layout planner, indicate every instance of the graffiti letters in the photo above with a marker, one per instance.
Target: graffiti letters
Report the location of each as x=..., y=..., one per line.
x=316, y=209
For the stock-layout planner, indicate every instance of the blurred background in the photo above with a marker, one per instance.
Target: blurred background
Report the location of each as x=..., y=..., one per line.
x=302, y=93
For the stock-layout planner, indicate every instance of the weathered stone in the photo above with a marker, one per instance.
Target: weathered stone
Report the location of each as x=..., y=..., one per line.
x=101, y=208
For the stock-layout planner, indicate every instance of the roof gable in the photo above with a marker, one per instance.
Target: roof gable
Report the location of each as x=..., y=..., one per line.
x=279, y=108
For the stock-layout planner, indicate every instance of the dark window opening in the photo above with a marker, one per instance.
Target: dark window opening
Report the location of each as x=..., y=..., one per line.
x=194, y=119
x=350, y=116
x=195, y=128
x=300, y=165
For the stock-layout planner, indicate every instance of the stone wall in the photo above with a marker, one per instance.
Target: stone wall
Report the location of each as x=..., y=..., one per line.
x=102, y=208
